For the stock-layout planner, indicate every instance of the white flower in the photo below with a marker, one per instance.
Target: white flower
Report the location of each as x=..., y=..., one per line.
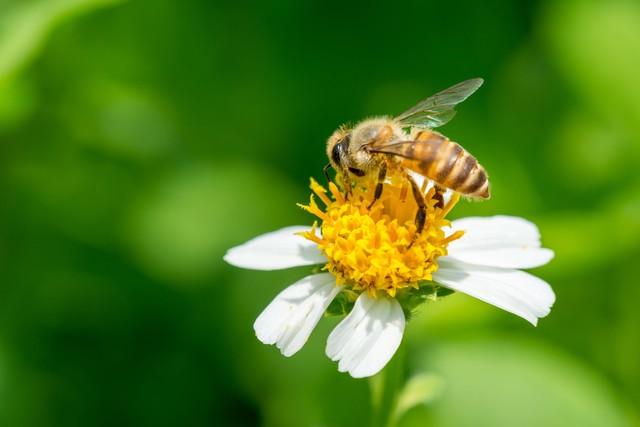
x=483, y=263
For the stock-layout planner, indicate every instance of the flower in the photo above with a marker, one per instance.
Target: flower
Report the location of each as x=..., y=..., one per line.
x=377, y=271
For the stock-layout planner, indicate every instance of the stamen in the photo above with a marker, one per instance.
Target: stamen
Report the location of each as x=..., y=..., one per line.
x=320, y=191
x=454, y=236
x=313, y=208
x=337, y=195
x=371, y=249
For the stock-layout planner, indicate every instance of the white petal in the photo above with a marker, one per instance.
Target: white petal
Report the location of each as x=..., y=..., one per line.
x=368, y=337
x=289, y=319
x=499, y=241
x=276, y=250
x=515, y=291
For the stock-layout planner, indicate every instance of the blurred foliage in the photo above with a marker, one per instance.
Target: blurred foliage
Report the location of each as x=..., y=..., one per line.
x=140, y=139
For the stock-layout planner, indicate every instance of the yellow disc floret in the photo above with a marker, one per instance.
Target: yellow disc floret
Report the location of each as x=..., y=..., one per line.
x=376, y=249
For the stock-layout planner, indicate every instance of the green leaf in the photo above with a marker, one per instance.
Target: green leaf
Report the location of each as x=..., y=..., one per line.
x=418, y=390
x=25, y=26
x=506, y=381
x=180, y=227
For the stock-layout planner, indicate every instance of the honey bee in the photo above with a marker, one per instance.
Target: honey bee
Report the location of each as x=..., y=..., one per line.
x=409, y=143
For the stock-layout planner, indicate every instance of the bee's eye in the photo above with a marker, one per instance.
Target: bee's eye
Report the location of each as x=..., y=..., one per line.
x=335, y=153
x=339, y=150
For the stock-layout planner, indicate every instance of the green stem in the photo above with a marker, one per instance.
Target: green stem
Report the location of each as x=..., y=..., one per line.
x=384, y=391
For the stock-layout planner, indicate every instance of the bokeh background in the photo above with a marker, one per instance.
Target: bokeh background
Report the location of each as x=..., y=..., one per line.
x=141, y=139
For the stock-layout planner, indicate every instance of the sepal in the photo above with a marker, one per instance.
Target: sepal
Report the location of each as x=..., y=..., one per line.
x=341, y=304
x=412, y=298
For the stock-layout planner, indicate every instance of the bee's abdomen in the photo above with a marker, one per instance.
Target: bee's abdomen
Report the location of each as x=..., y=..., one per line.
x=449, y=165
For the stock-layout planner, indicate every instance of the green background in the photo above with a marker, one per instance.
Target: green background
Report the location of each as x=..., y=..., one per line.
x=141, y=139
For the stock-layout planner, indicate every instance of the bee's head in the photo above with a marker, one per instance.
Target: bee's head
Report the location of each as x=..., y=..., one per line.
x=338, y=148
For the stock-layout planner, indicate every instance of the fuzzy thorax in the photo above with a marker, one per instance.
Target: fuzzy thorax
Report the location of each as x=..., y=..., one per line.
x=371, y=249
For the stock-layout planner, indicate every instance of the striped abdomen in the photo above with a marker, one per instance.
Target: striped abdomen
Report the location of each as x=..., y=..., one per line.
x=433, y=155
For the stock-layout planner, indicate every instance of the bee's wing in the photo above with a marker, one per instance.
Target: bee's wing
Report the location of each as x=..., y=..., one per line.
x=439, y=109
x=418, y=150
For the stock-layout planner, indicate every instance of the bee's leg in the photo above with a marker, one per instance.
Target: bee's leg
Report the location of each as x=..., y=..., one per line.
x=347, y=183
x=347, y=190
x=438, y=196
x=346, y=186
x=403, y=193
x=382, y=174
x=325, y=171
x=421, y=215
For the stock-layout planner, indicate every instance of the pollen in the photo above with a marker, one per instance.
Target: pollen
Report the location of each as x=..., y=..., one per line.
x=376, y=250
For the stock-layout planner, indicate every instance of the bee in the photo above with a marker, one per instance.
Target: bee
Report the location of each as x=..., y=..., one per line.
x=409, y=143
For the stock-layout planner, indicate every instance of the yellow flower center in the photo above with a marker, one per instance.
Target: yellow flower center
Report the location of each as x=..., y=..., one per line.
x=371, y=249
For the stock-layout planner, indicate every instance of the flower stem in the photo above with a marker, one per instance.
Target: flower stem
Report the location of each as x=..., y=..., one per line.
x=384, y=391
